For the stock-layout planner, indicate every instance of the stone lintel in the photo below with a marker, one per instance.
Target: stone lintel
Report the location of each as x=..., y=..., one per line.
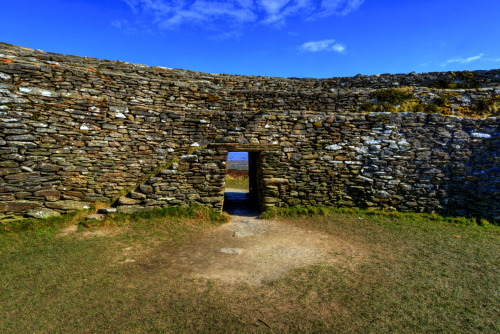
x=231, y=147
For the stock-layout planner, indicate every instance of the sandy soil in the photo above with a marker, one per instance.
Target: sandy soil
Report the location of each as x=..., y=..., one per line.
x=253, y=251
x=245, y=250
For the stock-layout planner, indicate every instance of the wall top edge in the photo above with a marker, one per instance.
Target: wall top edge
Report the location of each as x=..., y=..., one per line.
x=14, y=52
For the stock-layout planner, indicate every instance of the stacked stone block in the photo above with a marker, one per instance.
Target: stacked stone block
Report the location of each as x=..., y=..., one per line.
x=76, y=131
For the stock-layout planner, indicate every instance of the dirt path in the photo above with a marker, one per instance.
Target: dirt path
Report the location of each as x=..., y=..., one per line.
x=250, y=250
x=247, y=249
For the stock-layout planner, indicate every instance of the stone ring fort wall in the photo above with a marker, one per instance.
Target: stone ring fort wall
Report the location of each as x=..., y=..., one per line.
x=77, y=130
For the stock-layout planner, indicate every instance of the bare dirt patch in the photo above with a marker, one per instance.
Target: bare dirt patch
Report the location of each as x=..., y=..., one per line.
x=68, y=230
x=101, y=232
x=253, y=251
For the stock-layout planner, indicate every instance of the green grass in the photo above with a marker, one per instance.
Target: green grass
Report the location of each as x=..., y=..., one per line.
x=37, y=224
x=375, y=214
x=420, y=274
x=237, y=182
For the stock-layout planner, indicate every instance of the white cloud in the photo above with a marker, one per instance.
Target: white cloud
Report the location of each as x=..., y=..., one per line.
x=468, y=60
x=273, y=7
x=206, y=12
x=169, y=14
x=339, y=7
x=119, y=23
x=459, y=60
x=277, y=11
x=158, y=7
x=338, y=48
x=325, y=45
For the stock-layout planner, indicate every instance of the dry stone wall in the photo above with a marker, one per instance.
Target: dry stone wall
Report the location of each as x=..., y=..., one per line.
x=76, y=131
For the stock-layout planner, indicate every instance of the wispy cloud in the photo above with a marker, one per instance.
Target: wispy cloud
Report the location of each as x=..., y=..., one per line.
x=119, y=24
x=471, y=59
x=459, y=60
x=339, y=7
x=324, y=45
x=170, y=14
x=205, y=12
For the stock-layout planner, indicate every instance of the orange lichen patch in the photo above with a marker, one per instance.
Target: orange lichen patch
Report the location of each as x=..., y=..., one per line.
x=105, y=78
x=57, y=105
x=54, y=66
x=5, y=61
x=90, y=69
x=93, y=98
x=160, y=69
x=140, y=108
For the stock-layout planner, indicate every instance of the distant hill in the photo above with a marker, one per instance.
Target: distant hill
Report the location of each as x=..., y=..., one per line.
x=237, y=164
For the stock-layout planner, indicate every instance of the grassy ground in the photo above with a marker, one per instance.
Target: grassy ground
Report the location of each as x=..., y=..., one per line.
x=421, y=274
x=237, y=182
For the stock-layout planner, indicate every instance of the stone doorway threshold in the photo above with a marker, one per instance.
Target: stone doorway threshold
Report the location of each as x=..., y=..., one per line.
x=237, y=202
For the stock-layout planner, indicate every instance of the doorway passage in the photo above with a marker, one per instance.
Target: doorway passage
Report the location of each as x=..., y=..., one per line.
x=241, y=190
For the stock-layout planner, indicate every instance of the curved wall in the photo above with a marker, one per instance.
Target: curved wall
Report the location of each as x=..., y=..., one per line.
x=76, y=130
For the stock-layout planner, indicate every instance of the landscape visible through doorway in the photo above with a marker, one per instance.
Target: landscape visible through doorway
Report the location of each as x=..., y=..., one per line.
x=237, y=199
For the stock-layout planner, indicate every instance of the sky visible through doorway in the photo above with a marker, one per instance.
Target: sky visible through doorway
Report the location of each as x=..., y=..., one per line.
x=237, y=156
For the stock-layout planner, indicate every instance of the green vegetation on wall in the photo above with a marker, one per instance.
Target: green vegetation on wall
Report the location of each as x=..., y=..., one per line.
x=458, y=80
x=397, y=99
x=404, y=100
x=487, y=107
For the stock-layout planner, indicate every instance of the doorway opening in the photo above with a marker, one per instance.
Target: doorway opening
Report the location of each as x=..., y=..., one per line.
x=241, y=190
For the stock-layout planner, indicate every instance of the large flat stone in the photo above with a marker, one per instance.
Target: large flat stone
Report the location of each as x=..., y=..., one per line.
x=128, y=209
x=127, y=201
x=138, y=196
x=68, y=205
x=42, y=213
x=18, y=206
x=211, y=199
x=146, y=189
x=106, y=210
x=273, y=180
x=9, y=164
x=96, y=216
x=231, y=250
x=49, y=194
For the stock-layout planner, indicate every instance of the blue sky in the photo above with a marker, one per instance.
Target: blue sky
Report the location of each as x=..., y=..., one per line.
x=237, y=156
x=287, y=38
